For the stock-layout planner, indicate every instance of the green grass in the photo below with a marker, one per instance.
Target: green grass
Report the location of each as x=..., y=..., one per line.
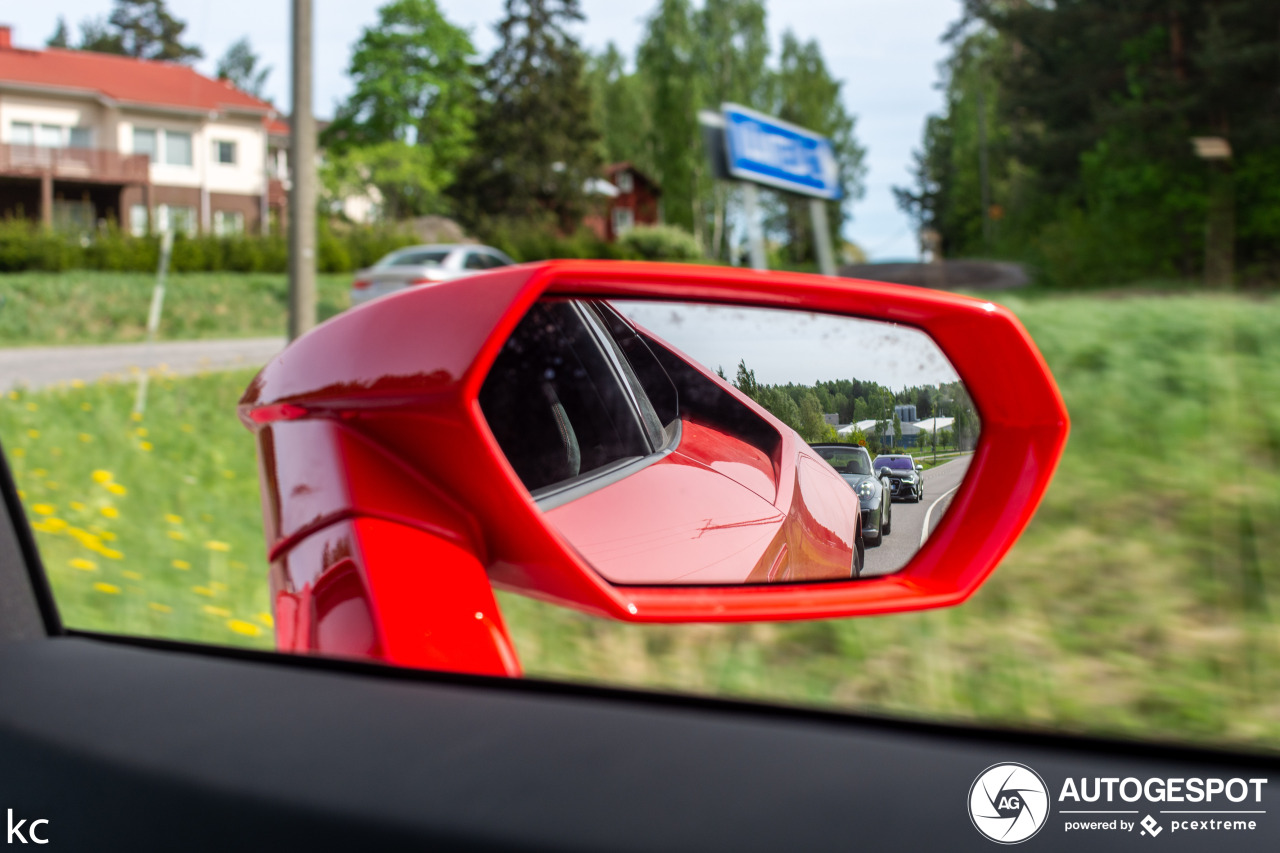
x=1144, y=599
x=82, y=307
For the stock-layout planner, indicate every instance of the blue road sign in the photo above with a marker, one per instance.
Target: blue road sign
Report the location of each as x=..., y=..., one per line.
x=766, y=150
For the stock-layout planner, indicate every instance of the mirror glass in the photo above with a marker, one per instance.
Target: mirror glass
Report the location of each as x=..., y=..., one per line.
x=678, y=443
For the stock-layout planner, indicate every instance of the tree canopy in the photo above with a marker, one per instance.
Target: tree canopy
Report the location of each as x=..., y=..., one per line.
x=144, y=29
x=241, y=67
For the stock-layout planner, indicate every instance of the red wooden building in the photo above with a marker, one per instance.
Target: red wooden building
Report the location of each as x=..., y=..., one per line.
x=626, y=197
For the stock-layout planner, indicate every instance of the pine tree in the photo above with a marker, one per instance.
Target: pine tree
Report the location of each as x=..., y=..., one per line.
x=239, y=65
x=60, y=38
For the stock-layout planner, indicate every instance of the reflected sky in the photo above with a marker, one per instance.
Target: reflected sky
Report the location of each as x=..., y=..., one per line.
x=795, y=346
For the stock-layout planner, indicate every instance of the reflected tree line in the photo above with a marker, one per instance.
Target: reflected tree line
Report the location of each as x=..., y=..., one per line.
x=855, y=402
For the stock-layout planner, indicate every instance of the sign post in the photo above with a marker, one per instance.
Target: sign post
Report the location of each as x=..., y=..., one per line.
x=761, y=149
x=153, y=318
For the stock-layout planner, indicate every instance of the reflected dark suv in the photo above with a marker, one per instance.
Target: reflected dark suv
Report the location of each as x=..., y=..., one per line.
x=905, y=480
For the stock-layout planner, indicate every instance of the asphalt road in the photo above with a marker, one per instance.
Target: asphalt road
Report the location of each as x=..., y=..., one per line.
x=908, y=519
x=39, y=367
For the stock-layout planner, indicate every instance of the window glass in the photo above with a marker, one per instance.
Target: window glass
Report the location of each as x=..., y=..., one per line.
x=177, y=148
x=22, y=133
x=138, y=219
x=415, y=258
x=144, y=142
x=81, y=137
x=50, y=136
x=227, y=223
x=224, y=152
x=623, y=220
x=476, y=261
x=625, y=183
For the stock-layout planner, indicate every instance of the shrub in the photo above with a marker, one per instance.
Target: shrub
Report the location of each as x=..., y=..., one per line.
x=661, y=243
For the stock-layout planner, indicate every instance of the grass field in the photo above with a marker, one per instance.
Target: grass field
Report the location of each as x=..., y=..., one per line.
x=81, y=307
x=1144, y=599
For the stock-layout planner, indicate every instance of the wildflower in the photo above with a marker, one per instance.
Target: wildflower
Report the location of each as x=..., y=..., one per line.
x=144, y=445
x=43, y=509
x=77, y=506
x=177, y=534
x=265, y=619
x=83, y=565
x=101, y=476
x=31, y=407
x=39, y=472
x=159, y=608
x=22, y=496
x=19, y=452
x=33, y=433
x=105, y=534
x=247, y=628
x=228, y=473
x=135, y=416
x=181, y=564
x=188, y=428
x=85, y=538
x=77, y=383
x=88, y=407
x=172, y=519
x=111, y=554
x=85, y=437
x=236, y=564
x=217, y=611
x=110, y=512
x=108, y=588
x=214, y=545
x=133, y=576
x=13, y=395
x=140, y=432
x=218, y=587
x=116, y=489
x=202, y=590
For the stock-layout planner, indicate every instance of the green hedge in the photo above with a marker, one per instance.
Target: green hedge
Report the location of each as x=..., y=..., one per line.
x=26, y=246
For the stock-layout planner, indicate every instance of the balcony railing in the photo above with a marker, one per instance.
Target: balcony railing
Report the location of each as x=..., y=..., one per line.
x=74, y=164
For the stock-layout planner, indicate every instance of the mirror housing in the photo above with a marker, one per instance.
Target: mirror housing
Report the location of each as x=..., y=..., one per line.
x=373, y=419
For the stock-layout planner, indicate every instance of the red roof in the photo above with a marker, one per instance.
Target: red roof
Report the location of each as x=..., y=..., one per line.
x=124, y=79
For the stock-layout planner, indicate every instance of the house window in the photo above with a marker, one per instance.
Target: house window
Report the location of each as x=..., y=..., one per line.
x=50, y=136
x=177, y=148
x=224, y=152
x=228, y=223
x=625, y=182
x=180, y=220
x=138, y=220
x=22, y=133
x=623, y=219
x=144, y=142
x=81, y=137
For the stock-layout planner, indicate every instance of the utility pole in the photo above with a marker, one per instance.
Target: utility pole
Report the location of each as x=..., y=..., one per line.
x=302, y=193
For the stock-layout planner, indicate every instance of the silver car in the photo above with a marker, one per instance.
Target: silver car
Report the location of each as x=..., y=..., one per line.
x=417, y=265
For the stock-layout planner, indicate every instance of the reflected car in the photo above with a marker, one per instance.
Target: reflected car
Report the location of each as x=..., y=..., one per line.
x=853, y=463
x=419, y=265
x=904, y=473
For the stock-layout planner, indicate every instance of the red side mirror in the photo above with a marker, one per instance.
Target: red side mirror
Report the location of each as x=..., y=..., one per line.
x=391, y=509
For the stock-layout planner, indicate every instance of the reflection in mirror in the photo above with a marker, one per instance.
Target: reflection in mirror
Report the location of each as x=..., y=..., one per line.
x=675, y=443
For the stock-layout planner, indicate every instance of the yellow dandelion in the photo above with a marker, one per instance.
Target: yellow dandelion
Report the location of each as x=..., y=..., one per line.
x=83, y=565
x=110, y=512
x=135, y=416
x=108, y=588
x=88, y=407
x=144, y=445
x=84, y=537
x=181, y=564
x=43, y=509
x=50, y=525
x=228, y=473
x=77, y=506
x=111, y=553
x=13, y=395
x=177, y=534
x=265, y=619
x=218, y=587
x=105, y=534
x=217, y=611
x=102, y=476
x=33, y=433
x=31, y=407
x=215, y=545
x=133, y=576
x=116, y=489
x=140, y=432
x=85, y=437
x=19, y=452
x=236, y=564
x=172, y=519
x=39, y=472
x=77, y=383
x=202, y=590
x=188, y=428
x=241, y=627
x=22, y=496
x=159, y=608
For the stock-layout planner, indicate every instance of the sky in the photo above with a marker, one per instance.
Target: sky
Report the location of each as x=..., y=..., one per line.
x=795, y=346
x=885, y=51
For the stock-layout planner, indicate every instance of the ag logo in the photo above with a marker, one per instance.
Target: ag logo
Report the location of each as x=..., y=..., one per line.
x=1008, y=803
